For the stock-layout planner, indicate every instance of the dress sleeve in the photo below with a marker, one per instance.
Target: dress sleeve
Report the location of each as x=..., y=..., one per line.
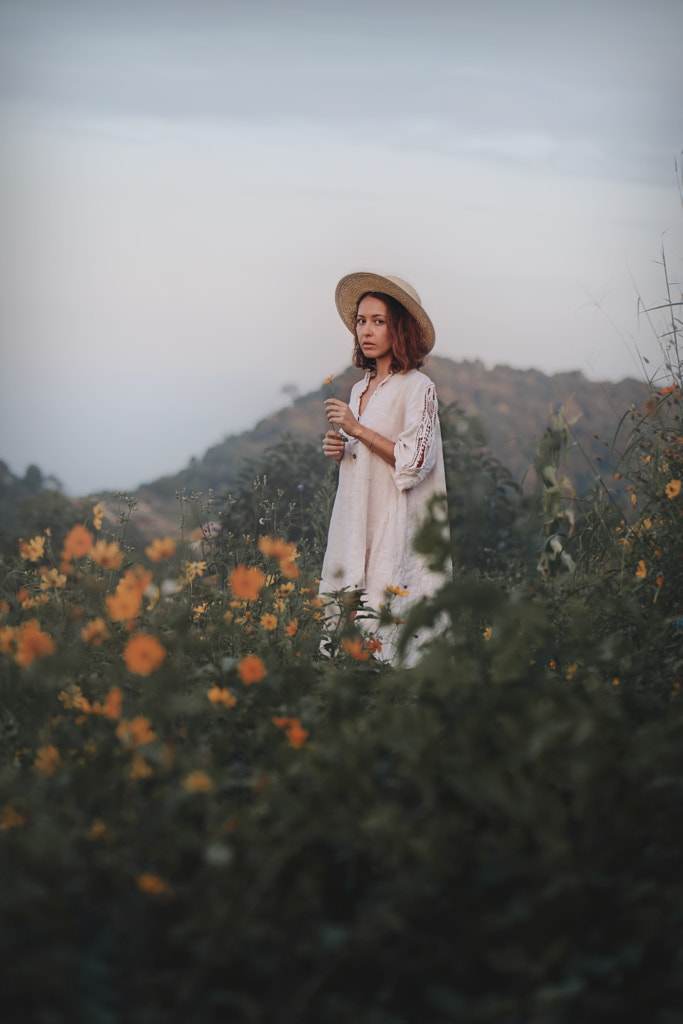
x=417, y=445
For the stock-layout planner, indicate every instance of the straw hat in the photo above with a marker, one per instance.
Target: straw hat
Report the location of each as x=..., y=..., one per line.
x=351, y=287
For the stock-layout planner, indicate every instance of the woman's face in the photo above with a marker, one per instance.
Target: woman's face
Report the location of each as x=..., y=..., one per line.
x=372, y=328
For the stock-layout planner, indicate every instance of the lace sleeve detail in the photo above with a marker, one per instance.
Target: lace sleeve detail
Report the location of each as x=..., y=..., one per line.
x=417, y=445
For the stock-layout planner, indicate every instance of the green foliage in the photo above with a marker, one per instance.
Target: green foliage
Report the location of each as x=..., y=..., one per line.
x=222, y=823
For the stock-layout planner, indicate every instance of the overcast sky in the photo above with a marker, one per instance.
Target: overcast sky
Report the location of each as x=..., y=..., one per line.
x=183, y=182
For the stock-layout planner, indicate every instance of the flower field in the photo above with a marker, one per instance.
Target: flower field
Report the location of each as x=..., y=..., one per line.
x=212, y=809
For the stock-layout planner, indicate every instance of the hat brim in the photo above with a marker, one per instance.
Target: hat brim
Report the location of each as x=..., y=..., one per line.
x=351, y=287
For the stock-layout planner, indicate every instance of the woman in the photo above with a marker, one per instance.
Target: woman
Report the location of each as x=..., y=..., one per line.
x=387, y=442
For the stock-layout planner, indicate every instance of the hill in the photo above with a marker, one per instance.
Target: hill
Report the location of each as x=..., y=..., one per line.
x=512, y=405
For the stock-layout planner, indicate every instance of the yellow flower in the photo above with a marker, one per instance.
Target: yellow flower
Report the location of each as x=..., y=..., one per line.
x=641, y=571
x=97, y=515
x=108, y=556
x=398, y=591
x=73, y=699
x=160, y=549
x=634, y=498
x=673, y=488
x=487, y=633
x=194, y=569
x=47, y=760
x=251, y=669
x=33, y=602
x=246, y=584
x=143, y=654
x=269, y=621
x=94, y=631
x=198, y=782
x=50, y=578
x=33, y=550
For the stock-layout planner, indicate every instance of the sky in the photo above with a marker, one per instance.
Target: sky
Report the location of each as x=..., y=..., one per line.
x=183, y=182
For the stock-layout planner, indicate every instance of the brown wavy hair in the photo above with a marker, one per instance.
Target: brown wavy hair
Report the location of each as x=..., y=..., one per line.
x=406, y=338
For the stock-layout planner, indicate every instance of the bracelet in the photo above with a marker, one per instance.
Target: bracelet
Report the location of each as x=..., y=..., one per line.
x=372, y=441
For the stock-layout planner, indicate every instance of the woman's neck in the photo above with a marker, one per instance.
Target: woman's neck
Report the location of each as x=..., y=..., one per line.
x=383, y=367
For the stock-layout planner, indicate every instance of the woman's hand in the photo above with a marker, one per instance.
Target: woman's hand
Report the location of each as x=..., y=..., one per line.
x=333, y=446
x=341, y=417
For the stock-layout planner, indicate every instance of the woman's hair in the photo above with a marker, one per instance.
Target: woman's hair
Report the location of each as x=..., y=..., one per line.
x=406, y=338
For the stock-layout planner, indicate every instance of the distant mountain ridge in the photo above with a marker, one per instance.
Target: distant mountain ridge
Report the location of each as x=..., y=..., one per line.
x=512, y=405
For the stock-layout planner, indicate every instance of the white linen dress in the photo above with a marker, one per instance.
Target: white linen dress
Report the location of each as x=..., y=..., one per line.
x=378, y=509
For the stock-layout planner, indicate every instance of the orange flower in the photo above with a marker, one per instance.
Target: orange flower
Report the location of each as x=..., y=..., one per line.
x=77, y=543
x=291, y=629
x=112, y=704
x=641, y=571
x=139, y=769
x=673, y=488
x=487, y=633
x=283, y=551
x=160, y=549
x=355, y=648
x=269, y=621
x=571, y=670
x=153, y=884
x=125, y=602
x=135, y=732
x=375, y=645
x=94, y=631
x=659, y=581
x=398, y=591
x=143, y=654
x=198, y=782
x=328, y=380
x=221, y=695
x=98, y=830
x=296, y=735
x=97, y=515
x=8, y=639
x=33, y=550
x=109, y=556
x=32, y=643
x=251, y=669
x=47, y=760
x=246, y=584
x=10, y=817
